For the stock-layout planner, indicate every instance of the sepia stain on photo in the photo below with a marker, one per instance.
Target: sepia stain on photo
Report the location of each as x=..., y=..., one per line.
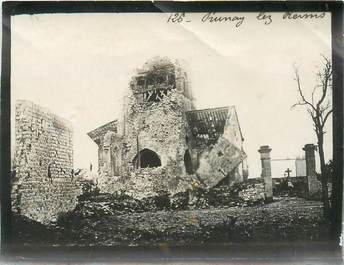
x=183, y=133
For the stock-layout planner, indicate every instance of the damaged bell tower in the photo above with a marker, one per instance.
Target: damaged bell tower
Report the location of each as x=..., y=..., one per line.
x=163, y=142
x=154, y=121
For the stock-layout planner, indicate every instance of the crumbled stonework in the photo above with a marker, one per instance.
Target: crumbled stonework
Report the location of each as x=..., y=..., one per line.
x=252, y=193
x=216, y=162
x=162, y=143
x=43, y=181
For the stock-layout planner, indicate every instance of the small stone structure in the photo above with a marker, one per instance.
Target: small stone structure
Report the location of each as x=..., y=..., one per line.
x=314, y=185
x=266, y=171
x=43, y=183
x=162, y=142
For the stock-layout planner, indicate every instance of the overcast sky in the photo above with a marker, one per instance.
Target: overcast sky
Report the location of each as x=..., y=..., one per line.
x=79, y=66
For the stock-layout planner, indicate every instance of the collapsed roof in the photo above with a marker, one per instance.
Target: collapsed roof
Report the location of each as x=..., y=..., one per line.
x=207, y=125
x=99, y=132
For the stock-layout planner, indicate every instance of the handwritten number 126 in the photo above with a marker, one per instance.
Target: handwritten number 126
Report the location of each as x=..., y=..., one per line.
x=176, y=17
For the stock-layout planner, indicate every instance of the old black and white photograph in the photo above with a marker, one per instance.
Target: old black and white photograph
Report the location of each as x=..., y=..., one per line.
x=171, y=129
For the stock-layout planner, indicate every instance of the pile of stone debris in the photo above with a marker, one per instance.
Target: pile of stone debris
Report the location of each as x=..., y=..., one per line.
x=93, y=204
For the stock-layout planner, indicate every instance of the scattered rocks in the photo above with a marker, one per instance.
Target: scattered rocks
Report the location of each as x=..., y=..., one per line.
x=286, y=219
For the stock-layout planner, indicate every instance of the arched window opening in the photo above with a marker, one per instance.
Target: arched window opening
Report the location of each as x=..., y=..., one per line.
x=188, y=163
x=147, y=158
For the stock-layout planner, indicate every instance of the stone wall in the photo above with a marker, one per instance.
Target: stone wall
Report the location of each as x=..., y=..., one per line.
x=159, y=127
x=225, y=156
x=43, y=182
x=105, y=138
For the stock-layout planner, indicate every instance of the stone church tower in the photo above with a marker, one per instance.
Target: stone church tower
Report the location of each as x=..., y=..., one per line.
x=154, y=125
x=162, y=143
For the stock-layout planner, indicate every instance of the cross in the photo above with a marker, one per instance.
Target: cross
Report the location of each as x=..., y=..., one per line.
x=288, y=171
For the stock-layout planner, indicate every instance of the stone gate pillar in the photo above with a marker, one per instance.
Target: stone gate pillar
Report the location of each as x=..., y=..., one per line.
x=313, y=184
x=266, y=171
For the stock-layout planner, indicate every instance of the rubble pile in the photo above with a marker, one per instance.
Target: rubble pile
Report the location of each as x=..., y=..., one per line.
x=252, y=194
x=282, y=219
x=239, y=194
x=95, y=204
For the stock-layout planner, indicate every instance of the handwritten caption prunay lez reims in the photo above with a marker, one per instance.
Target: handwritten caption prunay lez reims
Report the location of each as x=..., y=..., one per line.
x=237, y=21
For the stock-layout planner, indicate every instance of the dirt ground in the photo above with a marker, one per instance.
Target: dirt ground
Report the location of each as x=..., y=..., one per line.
x=290, y=219
x=286, y=219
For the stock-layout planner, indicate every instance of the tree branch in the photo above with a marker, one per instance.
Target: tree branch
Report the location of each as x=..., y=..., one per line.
x=326, y=116
x=304, y=100
x=325, y=78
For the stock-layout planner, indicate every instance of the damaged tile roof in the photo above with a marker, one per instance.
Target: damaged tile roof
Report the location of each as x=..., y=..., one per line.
x=207, y=125
x=100, y=131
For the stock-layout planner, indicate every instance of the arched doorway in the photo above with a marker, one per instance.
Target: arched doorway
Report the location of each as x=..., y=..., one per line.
x=147, y=158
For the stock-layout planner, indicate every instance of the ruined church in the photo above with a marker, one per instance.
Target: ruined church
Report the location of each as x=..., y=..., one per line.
x=162, y=142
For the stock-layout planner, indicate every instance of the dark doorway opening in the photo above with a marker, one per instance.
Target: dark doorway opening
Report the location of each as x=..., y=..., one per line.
x=147, y=158
x=188, y=162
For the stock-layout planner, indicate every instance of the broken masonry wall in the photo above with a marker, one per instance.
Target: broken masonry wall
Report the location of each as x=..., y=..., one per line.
x=175, y=98
x=183, y=82
x=110, y=149
x=161, y=73
x=232, y=129
x=110, y=158
x=219, y=162
x=103, y=137
x=160, y=127
x=225, y=159
x=232, y=132
x=150, y=182
x=43, y=183
x=148, y=123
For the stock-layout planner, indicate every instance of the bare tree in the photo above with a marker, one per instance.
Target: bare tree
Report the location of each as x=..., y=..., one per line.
x=319, y=107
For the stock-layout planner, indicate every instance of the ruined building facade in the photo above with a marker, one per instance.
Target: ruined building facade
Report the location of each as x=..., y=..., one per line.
x=43, y=183
x=162, y=143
